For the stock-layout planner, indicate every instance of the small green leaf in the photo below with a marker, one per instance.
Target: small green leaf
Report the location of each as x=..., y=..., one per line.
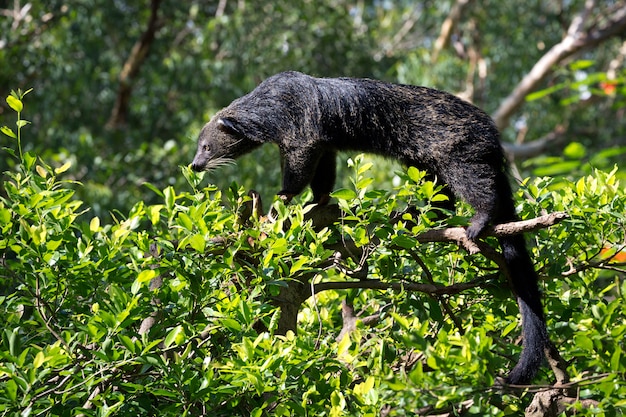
x=41, y=171
x=10, y=387
x=231, y=324
x=63, y=168
x=574, y=150
x=174, y=336
x=155, y=213
x=170, y=197
x=29, y=160
x=7, y=131
x=127, y=342
x=415, y=174
x=146, y=275
x=15, y=103
x=344, y=194
x=581, y=64
x=615, y=359
x=39, y=359
x=509, y=328
x=405, y=241
x=94, y=225
x=154, y=189
x=198, y=243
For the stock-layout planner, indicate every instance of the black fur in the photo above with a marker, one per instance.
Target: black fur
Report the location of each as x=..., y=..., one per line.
x=310, y=119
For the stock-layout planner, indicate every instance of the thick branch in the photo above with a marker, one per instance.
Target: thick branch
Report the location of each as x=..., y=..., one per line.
x=537, y=146
x=131, y=68
x=457, y=234
x=434, y=289
x=576, y=40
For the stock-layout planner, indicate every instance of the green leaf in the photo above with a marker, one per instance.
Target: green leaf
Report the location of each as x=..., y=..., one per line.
x=10, y=387
x=404, y=241
x=39, y=359
x=170, y=197
x=545, y=92
x=29, y=160
x=415, y=174
x=15, y=103
x=155, y=213
x=581, y=64
x=231, y=324
x=127, y=342
x=154, y=189
x=198, y=243
x=7, y=131
x=146, y=275
x=615, y=359
x=509, y=328
x=63, y=168
x=174, y=336
x=94, y=225
x=574, y=150
x=344, y=194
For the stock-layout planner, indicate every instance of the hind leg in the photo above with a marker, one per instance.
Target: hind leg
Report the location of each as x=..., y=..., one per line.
x=479, y=186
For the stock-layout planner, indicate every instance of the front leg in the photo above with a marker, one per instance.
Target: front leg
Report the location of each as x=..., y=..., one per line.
x=298, y=166
x=324, y=178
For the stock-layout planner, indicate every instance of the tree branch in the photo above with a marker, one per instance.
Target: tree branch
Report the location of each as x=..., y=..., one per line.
x=447, y=27
x=131, y=67
x=576, y=40
x=374, y=284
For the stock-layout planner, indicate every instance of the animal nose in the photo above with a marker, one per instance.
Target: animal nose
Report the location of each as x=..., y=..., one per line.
x=196, y=167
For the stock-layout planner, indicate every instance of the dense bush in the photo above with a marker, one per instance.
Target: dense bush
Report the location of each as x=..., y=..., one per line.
x=171, y=308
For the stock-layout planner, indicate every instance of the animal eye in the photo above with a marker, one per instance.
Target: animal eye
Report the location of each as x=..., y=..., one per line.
x=206, y=147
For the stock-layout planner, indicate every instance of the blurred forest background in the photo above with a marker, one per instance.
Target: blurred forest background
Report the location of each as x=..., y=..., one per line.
x=123, y=87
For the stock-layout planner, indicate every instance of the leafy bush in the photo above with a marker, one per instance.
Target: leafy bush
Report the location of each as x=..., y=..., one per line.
x=172, y=309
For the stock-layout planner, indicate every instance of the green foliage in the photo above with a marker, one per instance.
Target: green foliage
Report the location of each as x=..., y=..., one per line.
x=168, y=310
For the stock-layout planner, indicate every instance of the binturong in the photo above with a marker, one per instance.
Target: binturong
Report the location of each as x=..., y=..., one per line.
x=311, y=119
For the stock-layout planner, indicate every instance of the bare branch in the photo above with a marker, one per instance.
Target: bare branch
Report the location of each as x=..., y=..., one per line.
x=448, y=27
x=537, y=146
x=576, y=40
x=434, y=289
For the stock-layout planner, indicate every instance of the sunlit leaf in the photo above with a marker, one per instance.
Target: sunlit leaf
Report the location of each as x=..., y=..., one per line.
x=344, y=194
x=15, y=103
x=7, y=131
x=63, y=168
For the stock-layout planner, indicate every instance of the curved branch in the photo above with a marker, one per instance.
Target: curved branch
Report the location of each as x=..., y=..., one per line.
x=576, y=40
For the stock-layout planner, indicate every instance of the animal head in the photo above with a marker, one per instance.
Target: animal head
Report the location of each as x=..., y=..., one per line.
x=221, y=141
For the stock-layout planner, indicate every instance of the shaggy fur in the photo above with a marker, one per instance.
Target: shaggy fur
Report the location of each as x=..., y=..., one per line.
x=310, y=119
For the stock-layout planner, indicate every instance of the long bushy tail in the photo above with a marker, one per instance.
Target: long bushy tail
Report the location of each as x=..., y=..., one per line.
x=524, y=280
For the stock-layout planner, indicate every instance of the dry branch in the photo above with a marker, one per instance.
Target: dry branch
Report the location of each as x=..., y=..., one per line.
x=578, y=38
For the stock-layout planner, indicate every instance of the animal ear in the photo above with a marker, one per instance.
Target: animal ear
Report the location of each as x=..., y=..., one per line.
x=235, y=128
x=230, y=126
